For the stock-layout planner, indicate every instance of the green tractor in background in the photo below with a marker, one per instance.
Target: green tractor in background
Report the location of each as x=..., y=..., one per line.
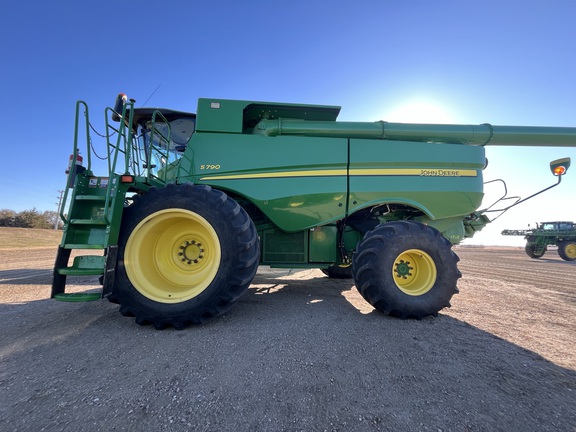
x=188, y=205
x=560, y=234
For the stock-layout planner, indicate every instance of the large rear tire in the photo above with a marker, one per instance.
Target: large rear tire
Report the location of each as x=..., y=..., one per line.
x=406, y=269
x=338, y=272
x=186, y=254
x=567, y=250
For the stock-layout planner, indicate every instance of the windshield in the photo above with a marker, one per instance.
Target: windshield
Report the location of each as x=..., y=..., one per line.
x=557, y=225
x=164, y=142
x=173, y=135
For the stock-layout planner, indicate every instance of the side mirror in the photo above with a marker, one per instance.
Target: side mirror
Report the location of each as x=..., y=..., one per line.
x=559, y=167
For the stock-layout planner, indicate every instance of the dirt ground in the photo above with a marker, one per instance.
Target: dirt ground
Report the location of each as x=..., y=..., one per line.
x=299, y=352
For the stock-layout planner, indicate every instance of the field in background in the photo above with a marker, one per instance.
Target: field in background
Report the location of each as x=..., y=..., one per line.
x=29, y=238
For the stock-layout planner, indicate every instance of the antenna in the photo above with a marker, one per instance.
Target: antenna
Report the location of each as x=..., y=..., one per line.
x=151, y=95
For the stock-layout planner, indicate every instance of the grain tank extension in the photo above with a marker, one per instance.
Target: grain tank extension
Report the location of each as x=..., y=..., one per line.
x=188, y=205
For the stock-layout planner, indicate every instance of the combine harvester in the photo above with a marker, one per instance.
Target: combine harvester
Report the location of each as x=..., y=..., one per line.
x=191, y=204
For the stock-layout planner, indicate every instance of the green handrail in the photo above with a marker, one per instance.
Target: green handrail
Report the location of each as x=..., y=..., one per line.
x=158, y=149
x=72, y=171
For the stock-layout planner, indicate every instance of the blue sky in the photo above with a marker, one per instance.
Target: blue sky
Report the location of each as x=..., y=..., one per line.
x=505, y=62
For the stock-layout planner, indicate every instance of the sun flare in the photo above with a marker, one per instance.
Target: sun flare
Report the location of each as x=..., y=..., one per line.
x=419, y=111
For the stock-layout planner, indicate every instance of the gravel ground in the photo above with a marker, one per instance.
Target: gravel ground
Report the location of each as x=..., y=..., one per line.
x=299, y=352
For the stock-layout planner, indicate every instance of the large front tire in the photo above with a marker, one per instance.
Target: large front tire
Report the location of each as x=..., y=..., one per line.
x=186, y=254
x=567, y=250
x=530, y=250
x=406, y=269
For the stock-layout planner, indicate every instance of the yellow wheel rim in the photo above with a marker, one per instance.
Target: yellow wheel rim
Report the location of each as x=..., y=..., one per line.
x=172, y=256
x=570, y=250
x=414, y=272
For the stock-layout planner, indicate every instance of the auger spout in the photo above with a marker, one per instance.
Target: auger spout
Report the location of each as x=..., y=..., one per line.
x=478, y=135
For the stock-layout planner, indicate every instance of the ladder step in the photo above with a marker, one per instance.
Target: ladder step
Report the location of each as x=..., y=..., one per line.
x=69, y=271
x=87, y=222
x=77, y=297
x=90, y=198
x=84, y=265
x=83, y=246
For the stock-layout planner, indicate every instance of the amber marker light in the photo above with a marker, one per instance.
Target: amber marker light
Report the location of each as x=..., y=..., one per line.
x=127, y=179
x=559, y=170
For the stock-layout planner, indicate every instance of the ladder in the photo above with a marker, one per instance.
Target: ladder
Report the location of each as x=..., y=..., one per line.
x=88, y=226
x=91, y=221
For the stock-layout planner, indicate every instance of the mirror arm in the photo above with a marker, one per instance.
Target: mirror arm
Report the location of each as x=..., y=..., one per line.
x=537, y=193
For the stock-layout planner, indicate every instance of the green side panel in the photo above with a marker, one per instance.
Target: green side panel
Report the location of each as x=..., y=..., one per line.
x=442, y=180
x=451, y=228
x=297, y=182
x=256, y=111
x=223, y=115
x=323, y=244
x=550, y=240
x=219, y=115
x=280, y=247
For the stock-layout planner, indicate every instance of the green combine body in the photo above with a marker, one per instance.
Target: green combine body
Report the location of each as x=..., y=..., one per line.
x=190, y=205
x=561, y=234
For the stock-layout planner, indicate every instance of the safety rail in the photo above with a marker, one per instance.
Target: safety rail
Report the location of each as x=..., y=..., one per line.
x=156, y=150
x=124, y=154
x=126, y=144
x=72, y=171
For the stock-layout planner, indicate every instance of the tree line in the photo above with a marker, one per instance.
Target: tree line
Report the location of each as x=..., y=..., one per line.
x=30, y=219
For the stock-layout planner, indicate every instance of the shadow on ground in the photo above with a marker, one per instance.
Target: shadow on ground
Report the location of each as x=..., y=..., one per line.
x=298, y=352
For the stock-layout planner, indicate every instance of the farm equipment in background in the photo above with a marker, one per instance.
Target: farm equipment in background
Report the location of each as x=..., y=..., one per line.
x=190, y=205
x=561, y=234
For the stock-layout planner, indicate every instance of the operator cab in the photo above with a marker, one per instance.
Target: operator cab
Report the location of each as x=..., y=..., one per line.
x=163, y=134
x=557, y=226
x=179, y=127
